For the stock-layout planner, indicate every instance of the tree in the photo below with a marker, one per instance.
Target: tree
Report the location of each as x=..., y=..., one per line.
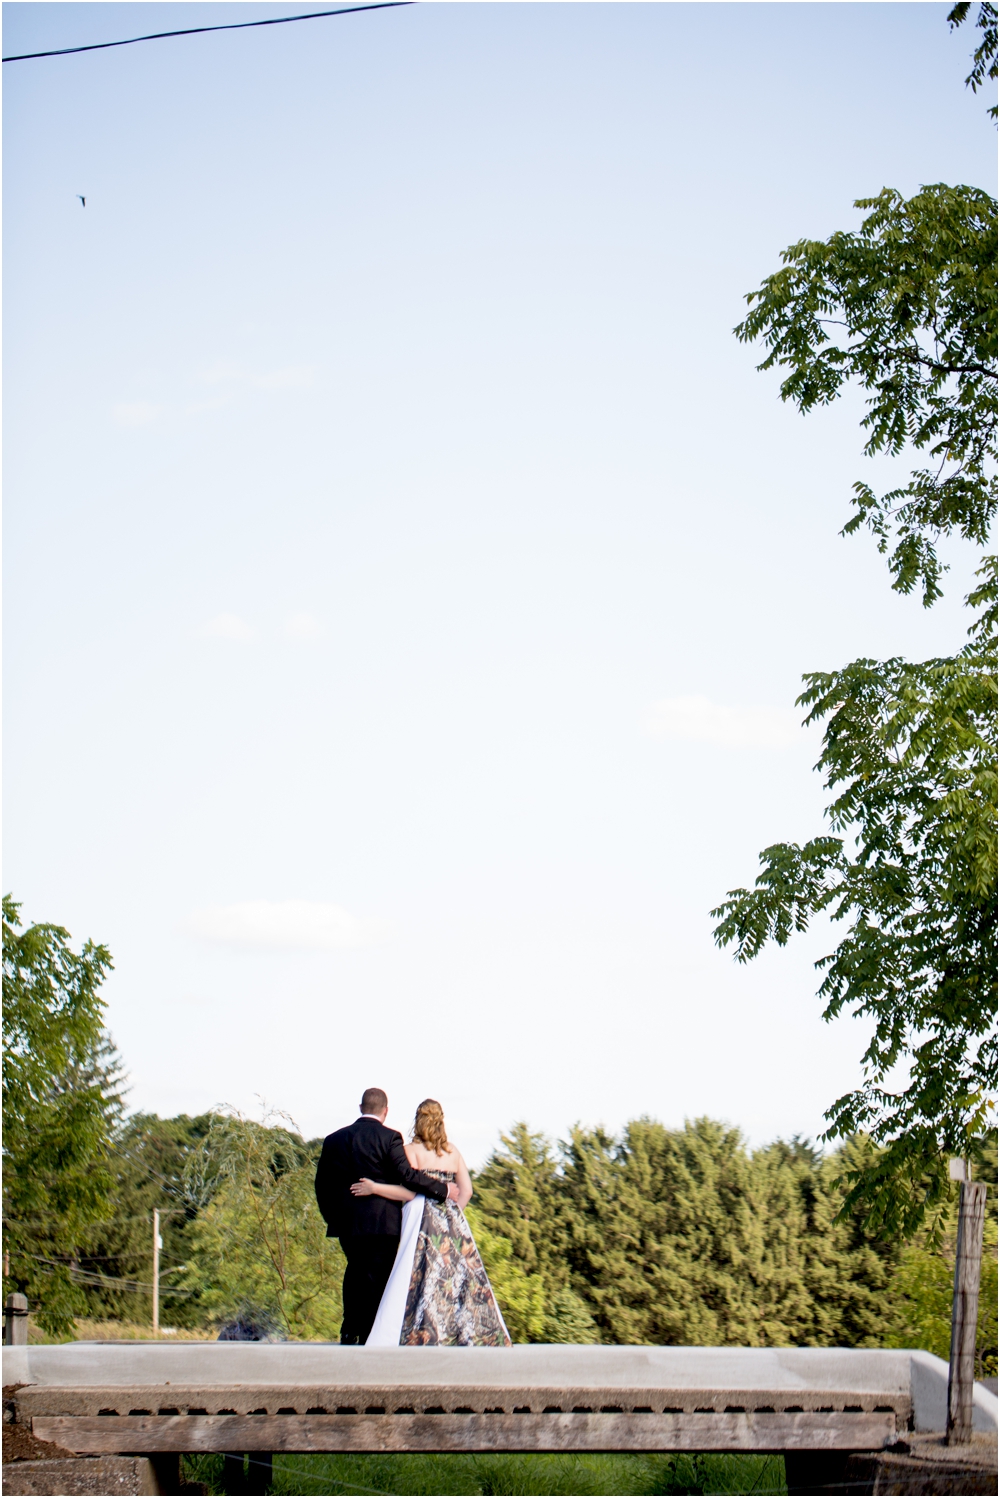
x=910, y=752
x=517, y=1192
x=149, y=1163
x=62, y=1104
x=914, y=296
x=680, y=1236
x=257, y=1244
x=909, y=749
x=519, y=1188
x=984, y=59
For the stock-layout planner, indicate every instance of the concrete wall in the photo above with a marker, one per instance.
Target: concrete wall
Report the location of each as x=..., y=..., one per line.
x=790, y=1373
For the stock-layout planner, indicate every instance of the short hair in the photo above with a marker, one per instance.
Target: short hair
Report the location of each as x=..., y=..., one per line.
x=374, y=1100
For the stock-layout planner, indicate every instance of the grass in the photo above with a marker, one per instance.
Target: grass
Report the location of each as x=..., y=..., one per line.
x=572, y=1476
x=114, y=1331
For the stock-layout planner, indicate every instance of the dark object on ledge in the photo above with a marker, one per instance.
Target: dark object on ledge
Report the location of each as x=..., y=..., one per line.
x=252, y=1325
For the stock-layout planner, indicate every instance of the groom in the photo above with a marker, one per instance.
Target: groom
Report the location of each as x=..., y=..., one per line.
x=368, y=1226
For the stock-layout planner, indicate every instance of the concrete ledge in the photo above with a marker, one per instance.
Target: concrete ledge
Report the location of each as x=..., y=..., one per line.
x=787, y=1369
x=412, y=1398
x=929, y=1387
x=925, y=1465
x=100, y=1476
x=120, y=1379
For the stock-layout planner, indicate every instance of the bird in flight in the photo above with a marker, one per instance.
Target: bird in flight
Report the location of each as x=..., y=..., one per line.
x=83, y=200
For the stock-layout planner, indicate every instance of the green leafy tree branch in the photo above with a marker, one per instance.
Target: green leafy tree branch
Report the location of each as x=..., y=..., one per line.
x=984, y=59
x=907, y=308
x=910, y=751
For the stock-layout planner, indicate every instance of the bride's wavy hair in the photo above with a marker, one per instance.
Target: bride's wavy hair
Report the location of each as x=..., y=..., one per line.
x=428, y=1127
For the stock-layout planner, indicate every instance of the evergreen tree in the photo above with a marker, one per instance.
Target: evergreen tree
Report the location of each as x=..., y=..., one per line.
x=519, y=1188
x=682, y=1237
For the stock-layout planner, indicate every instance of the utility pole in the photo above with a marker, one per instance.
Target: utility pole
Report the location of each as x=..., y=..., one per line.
x=157, y=1245
x=965, y=1307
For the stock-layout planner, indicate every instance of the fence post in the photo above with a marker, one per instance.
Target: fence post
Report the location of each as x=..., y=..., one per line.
x=964, y=1312
x=15, y=1320
x=156, y=1272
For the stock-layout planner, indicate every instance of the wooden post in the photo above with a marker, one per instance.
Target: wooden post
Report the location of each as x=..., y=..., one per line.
x=15, y=1320
x=260, y=1472
x=234, y=1481
x=156, y=1272
x=167, y=1470
x=964, y=1311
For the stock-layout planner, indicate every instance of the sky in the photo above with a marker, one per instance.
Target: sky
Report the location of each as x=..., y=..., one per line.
x=408, y=576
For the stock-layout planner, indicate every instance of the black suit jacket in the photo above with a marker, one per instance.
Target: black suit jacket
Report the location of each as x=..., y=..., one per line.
x=367, y=1148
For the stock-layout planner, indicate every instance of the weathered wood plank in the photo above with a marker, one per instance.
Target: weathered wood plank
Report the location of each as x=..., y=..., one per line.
x=732, y=1431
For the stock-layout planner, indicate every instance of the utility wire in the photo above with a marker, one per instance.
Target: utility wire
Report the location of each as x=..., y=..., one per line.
x=307, y=1477
x=155, y=36
x=95, y=1280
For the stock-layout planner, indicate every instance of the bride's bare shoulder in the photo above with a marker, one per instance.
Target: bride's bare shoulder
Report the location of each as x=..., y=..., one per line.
x=421, y=1158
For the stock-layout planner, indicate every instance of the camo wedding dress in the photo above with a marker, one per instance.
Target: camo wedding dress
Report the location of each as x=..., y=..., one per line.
x=438, y=1293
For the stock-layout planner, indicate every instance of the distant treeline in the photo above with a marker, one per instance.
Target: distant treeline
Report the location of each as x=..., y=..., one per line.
x=659, y=1236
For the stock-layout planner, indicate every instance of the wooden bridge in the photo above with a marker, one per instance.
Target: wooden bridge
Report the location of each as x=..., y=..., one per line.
x=814, y=1406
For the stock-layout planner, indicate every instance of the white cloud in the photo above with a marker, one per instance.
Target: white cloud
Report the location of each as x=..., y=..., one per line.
x=697, y=720
x=297, y=377
x=228, y=627
x=136, y=414
x=294, y=377
x=301, y=627
x=306, y=924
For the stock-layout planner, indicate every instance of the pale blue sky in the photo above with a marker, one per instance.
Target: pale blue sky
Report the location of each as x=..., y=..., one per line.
x=378, y=457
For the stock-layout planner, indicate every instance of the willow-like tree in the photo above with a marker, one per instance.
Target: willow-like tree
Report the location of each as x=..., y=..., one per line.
x=906, y=307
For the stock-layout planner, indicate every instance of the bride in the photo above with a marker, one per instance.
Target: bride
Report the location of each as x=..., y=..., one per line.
x=438, y=1293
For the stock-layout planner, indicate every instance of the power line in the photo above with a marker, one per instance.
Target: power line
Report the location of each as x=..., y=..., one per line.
x=155, y=36
x=297, y=1472
x=98, y=1281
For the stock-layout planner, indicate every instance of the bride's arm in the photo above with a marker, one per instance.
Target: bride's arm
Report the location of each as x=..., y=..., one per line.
x=464, y=1183
x=365, y=1187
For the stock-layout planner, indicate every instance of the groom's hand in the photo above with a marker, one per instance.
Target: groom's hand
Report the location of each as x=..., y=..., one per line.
x=452, y=1192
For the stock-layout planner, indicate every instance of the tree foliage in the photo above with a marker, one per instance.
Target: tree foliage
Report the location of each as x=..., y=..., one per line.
x=62, y=1105
x=984, y=59
x=149, y=1163
x=910, y=751
x=681, y=1236
x=909, y=755
x=906, y=307
x=258, y=1243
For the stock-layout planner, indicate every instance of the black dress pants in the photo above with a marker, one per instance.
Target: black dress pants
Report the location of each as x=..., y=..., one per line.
x=370, y=1257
